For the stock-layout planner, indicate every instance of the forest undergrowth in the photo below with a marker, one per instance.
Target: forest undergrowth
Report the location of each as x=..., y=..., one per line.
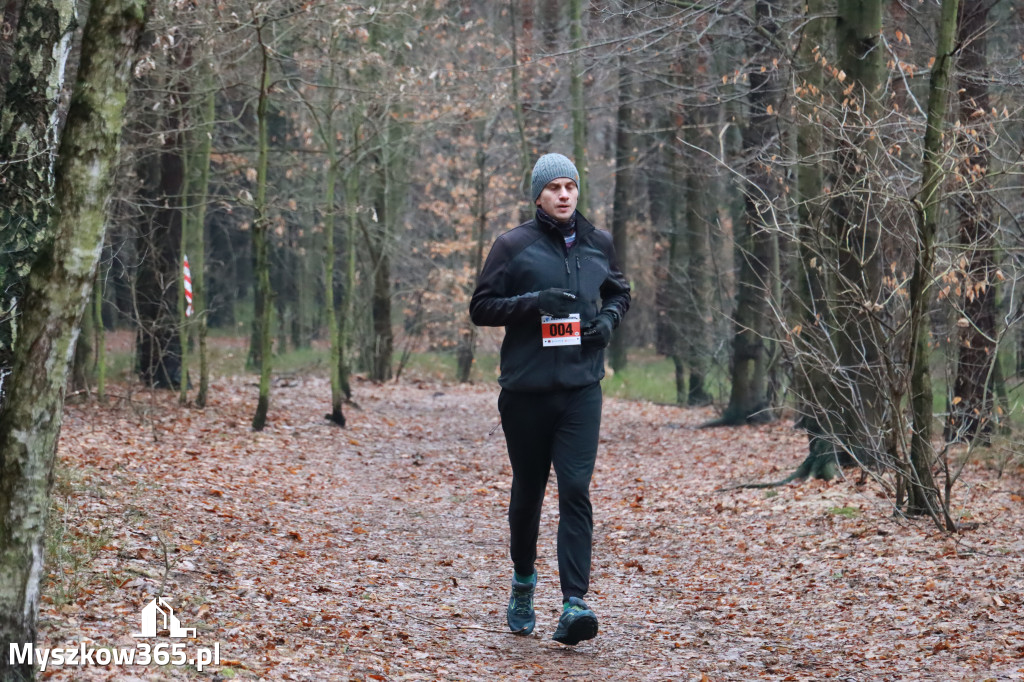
x=378, y=552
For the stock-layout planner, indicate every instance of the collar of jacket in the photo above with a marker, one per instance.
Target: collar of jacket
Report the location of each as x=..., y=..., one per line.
x=583, y=227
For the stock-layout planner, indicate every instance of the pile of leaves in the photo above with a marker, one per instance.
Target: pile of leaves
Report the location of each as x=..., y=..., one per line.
x=379, y=552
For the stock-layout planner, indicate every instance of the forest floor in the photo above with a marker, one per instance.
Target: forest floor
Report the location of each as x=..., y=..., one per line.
x=378, y=552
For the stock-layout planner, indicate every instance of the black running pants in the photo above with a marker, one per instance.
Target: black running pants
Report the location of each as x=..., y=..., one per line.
x=559, y=429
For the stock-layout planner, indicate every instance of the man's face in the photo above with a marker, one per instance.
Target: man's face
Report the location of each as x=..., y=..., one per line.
x=558, y=198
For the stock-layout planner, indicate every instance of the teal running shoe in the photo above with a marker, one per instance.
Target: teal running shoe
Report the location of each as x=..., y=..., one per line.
x=520, y=615
x=576, y=623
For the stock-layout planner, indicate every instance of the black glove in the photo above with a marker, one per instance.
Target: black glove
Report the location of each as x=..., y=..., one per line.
x=598, y=332
x=556, y=302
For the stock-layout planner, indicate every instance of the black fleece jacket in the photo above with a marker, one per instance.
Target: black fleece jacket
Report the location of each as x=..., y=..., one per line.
x=527, y=260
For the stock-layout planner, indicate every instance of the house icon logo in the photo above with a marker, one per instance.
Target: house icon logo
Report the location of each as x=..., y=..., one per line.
x=151, y=615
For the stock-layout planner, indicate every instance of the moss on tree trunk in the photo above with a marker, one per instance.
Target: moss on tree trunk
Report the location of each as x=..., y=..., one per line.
x=57, y=291
x=29, y=129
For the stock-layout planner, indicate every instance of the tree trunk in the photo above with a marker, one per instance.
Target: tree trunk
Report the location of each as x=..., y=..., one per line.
x=302, y=263
x=158, y=348
x=382, y=339
x=10, y=18
x=696, y=295
x=82, y=365
x=624, y=161
x=664, y=199
x=748, y=400
x=185, y=284
x=337, y=415
x=816, y=250
x=385, y=162
x=29, y=134
x=549, y=113
x=57, y=290
x=195, y=154
x=348, y=317
x=327, y=135
x=673, y=299
x=1019, y=363
x=579, y=108
x=855, y=422
x=525, y=210
x=972, y=410
x=261, y=240
x=101, y=338
x=200, y=170
x=923, y=495
x=467, y=336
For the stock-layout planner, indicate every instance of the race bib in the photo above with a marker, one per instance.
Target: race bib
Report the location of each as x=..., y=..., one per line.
x=560, y=331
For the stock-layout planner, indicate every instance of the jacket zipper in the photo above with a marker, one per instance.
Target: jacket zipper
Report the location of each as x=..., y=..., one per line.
x=577, y=276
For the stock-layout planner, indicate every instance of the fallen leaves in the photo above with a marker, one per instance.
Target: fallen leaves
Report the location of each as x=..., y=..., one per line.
x=380, y=552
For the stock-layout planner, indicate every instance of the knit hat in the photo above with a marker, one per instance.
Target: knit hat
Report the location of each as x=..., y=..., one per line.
x=548, y=168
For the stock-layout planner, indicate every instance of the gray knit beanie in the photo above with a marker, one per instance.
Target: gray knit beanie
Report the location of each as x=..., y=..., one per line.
x=549, y=167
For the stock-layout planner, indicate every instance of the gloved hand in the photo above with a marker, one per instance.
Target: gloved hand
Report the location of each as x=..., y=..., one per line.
x=556, y=302
x=598, y=332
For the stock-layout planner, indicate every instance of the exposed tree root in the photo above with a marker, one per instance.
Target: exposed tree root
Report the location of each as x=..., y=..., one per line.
x=760, y=416
x=821, y=466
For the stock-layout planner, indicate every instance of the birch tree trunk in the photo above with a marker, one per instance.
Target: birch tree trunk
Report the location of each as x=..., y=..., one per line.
x=57, y=291
x=29, y=133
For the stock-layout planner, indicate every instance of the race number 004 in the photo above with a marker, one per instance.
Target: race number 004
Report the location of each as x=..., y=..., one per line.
x=562, y=331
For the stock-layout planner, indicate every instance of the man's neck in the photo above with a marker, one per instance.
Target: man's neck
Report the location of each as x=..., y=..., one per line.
x=566, y=227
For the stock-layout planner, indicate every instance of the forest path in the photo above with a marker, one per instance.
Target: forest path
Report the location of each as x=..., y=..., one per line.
x=379, y=551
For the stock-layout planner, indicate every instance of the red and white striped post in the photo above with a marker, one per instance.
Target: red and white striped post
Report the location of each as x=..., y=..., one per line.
x=188, y=288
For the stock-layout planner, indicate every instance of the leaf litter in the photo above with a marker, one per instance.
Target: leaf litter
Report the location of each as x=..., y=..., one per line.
x=379, y=552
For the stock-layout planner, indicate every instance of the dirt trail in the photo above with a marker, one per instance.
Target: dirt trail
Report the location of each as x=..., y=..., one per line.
x=379, y=552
